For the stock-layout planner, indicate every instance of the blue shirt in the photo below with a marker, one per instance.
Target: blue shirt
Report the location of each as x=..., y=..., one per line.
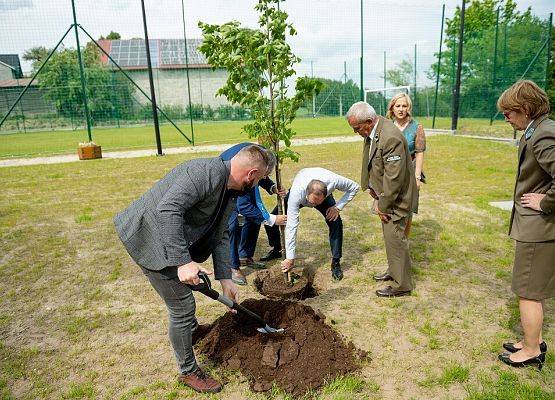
x=250, y=204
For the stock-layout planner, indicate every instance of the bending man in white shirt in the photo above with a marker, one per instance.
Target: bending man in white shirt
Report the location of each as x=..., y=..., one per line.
x=313, y=187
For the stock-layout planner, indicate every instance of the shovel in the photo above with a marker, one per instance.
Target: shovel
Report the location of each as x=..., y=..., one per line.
x=206, y=288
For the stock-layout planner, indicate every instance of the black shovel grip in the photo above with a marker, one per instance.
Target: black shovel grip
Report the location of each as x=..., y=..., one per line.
x=205, y=287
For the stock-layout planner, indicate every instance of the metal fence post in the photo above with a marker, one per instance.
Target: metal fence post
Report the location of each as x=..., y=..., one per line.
x=361, y=51
x=415, y=101
x=438, y=65
x=384, y=81
x=494, y=77
x=457, y=88
x=151, y=81
x=549, y=36
x=187, y=72
x=82, y=73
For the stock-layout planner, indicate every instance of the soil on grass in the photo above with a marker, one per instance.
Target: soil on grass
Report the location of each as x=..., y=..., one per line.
x=272, y=284
x=306, y=355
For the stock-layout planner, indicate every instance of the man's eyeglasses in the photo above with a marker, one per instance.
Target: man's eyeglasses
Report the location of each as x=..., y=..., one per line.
x=506, y=114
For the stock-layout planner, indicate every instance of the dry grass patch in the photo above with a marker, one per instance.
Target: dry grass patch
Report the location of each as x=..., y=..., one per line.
x=78, y=319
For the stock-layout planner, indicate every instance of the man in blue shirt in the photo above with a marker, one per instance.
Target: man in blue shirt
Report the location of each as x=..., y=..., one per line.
x=250, y=206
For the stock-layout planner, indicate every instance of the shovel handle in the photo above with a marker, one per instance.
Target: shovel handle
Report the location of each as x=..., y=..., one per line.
x=205, y=287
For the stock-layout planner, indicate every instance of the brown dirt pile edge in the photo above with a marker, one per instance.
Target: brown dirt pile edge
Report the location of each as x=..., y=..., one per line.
x=271, y=283
x=304, y=357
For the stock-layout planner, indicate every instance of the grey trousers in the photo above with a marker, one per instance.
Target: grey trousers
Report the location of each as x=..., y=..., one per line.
x=180, y=303
x=397, y=251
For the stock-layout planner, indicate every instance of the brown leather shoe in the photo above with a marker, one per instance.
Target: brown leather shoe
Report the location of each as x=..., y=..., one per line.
x=383, y=277
x=390, y=292
x=249, y=262
x=238, y=277
x=200, y=381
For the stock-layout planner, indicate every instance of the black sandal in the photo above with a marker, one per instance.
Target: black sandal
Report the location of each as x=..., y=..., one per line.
x=511, y=347
x=535, y=361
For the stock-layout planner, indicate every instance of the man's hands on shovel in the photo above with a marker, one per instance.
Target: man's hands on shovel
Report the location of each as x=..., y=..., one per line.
x=188, y=273
x=229, y=289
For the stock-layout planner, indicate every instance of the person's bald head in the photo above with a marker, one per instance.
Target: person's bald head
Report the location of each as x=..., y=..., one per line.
x=316, y=192
x=248, y=166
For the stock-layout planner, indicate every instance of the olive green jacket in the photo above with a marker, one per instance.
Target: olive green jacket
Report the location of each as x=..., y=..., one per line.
x=535, y=174
x=388, y=171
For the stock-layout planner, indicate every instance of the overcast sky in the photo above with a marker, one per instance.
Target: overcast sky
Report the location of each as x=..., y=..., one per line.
x=329, y=30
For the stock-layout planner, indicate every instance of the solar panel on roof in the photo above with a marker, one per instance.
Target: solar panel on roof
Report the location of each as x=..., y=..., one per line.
x=163, y=52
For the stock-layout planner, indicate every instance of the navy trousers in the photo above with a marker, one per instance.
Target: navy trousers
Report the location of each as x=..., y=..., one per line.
x=242, y=239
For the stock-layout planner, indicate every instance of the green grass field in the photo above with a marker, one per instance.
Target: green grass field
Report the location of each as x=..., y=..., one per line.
x=78, y=320
x=34, y=144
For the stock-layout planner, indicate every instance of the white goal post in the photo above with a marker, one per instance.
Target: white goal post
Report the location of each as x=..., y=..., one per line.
x=395, y=89
x=386, y=94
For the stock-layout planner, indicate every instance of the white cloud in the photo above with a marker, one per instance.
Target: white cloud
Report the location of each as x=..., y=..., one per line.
x=7, y=5
x=328, y=30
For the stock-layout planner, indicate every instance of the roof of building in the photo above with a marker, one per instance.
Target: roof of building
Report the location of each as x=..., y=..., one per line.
x=164, y=53
x=12, y=60
x=11, y=83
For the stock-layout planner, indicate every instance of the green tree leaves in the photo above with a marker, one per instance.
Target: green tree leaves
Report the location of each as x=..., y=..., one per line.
x=259, y=62
x=60, y=80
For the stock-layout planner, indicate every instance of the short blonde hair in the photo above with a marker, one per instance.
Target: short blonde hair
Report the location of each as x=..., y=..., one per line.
x=524, y=96
x=405, y=96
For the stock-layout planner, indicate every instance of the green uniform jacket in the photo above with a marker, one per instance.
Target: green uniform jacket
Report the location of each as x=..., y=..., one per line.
x=535, y=174
x=387, y=169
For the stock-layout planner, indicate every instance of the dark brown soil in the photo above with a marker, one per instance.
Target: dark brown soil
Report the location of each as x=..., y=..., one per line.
x=307, y=354
x=272, y=284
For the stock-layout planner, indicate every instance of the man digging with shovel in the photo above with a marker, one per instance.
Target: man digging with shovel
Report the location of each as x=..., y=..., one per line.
x=179, y=223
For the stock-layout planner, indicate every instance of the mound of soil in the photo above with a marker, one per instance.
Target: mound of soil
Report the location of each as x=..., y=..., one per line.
x=271, y=283
x=297, y=360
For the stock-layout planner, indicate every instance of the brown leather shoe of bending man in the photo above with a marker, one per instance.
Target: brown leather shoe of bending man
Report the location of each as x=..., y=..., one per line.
x=200, y=381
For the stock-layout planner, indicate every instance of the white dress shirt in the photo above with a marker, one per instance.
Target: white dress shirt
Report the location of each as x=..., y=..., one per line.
x=297, y=198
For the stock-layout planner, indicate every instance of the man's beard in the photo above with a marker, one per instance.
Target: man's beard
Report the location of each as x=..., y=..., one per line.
x=248, y=186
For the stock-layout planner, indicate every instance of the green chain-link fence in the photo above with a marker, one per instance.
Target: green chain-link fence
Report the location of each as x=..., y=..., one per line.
x=397, y=46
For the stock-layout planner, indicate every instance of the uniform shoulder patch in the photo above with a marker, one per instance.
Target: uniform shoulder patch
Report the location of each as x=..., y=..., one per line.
x=393, y=157
x=528, y=134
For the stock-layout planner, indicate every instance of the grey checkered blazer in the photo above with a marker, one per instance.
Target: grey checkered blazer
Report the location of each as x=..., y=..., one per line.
x=177, y=214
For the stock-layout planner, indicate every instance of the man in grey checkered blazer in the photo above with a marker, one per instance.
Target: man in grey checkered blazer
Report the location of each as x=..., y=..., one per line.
x=178, y=224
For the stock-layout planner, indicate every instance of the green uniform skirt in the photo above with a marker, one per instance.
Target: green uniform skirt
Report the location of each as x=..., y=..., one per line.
x=534, y=270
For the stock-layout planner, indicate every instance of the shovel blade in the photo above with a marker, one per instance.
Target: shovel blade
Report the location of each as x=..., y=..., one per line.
x=269, y=329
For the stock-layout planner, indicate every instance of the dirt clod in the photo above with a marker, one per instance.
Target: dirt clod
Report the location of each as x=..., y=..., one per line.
x=271, y=283
x=289, y=358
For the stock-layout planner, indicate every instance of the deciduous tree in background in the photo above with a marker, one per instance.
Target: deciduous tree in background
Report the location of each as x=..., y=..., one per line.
x=486, y=74
x=60, y=80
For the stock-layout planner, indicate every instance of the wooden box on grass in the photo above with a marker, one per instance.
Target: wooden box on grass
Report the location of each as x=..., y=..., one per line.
x=89, y=151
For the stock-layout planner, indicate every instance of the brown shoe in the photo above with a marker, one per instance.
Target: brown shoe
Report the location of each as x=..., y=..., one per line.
x=390, y=292
x=238, y=277
x=200, y=381
x=383, y=277
x=249, y=262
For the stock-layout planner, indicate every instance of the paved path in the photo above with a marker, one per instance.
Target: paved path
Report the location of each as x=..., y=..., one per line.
x=504, y=205
x=15, y=162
